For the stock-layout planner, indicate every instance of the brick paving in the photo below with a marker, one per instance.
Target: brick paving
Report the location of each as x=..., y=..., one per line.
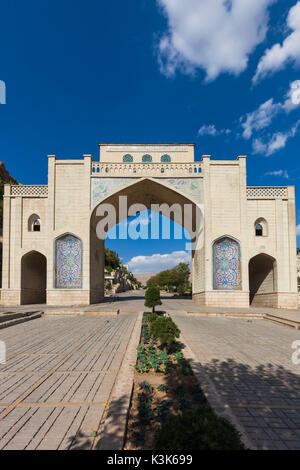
x=248, y=363
x=56, y=384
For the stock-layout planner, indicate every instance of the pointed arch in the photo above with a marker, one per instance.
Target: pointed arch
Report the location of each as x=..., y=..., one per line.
x=262, y=277
x=226, y=264
x=261, y=227
x=33, y=278
x=127, y=158
x=34, y=223
x=68, y=262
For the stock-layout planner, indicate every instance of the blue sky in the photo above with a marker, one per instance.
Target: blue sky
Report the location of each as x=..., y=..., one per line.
x=215, y=73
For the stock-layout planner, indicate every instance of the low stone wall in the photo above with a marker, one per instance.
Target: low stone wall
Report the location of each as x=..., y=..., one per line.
x=276, y=300
x=222, y=299
x=66, y=297
x=10, y=297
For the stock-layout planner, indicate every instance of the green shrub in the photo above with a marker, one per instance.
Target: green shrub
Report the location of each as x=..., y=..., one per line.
x=197, y=430
x=152, y=317
x=165, y=330
x=181, y=290
x=152, y=297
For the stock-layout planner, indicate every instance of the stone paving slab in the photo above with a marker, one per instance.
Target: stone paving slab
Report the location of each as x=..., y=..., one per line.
x=57, y=382
x=246, y=366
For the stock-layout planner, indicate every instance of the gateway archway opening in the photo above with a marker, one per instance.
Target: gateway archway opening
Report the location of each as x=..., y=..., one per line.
x=149, y=194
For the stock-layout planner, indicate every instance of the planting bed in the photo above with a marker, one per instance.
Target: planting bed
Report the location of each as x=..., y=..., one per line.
x=168, y=408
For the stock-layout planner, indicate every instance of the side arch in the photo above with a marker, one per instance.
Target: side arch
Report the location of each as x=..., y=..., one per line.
x=33, y=278
x=226, y=264
x=262, y=279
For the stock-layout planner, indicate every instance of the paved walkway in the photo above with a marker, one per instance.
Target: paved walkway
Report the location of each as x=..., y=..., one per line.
x=248, y=363
x=133, y=301
x=58, y=379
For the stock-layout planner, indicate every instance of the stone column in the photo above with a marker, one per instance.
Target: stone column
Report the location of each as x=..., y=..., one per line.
x=50, y=220
x=6, y=238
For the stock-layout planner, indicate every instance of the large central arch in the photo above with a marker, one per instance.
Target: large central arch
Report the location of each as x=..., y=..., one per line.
x=147, y=192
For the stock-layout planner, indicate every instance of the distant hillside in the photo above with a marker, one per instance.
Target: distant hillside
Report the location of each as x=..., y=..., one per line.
x=143, y=278
x=5, y=178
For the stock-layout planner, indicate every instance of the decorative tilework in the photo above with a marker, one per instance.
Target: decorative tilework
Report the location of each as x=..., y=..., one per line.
x=146, y=159
x=165, y=158
x=103, y=187
x=192, y=187
x=68, y=262
x=227, y=265
x=127, y=158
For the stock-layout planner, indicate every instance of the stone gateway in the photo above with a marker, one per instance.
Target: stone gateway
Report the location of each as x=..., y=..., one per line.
x=246, y=240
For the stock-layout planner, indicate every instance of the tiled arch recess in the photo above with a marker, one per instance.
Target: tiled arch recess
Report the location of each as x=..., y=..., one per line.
x=227, y=265
x=68, y=262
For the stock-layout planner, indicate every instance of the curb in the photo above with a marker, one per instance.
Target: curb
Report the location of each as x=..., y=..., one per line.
x=21, y=318
x=113, y=433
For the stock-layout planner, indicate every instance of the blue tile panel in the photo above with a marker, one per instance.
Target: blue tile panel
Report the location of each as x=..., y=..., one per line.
x=227, y=264
x=68, y=262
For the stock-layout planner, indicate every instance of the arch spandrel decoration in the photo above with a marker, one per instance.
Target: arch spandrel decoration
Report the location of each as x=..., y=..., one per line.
x=227, y=264
x=68, y=262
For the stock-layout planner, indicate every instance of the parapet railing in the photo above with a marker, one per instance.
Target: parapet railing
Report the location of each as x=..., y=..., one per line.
x=267, y=192
x=20, y=190
x=146, y=169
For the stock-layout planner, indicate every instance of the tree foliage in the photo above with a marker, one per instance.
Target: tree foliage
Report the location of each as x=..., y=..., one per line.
x=112, y=260
x=164, y=329
x=152, y=297
x=177, y=277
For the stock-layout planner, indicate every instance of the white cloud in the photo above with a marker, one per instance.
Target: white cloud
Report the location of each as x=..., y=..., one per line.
x=217, y=36
x=278, y=56
x=158, y=262
x=298, y=230
x=212, y=130
x=144, y=218
x=292, y=99
x=282, y=173
x=260, y=118
x=275, y=143
x=266, y=112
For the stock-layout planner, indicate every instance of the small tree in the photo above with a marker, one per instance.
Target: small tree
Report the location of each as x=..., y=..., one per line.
x=152, y=298
x=165, y=330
